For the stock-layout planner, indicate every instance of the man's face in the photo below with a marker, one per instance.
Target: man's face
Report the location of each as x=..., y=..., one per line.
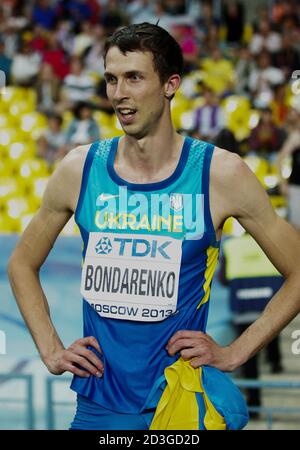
x=135, y=91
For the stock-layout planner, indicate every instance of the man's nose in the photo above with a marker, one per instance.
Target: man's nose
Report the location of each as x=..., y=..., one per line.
x=120, y=91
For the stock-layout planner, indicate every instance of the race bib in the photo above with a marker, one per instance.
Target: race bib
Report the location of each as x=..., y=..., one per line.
x=132, y=277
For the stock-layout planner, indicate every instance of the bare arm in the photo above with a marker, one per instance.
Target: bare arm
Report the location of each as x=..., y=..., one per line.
x=250, y=205
x=28, y=257
x=281, y=243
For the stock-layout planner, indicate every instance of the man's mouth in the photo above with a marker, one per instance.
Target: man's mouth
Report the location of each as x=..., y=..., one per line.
x=126, y=114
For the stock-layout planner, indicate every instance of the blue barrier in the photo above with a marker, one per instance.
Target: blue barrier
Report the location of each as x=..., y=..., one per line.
x=269, y=410
x=28, y=401
x=241, y=383
x=51, y=403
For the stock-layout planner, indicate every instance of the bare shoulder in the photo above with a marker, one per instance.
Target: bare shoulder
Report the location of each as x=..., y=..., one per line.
x=226, y=166
x=235, y=189
x=64, y=184
x=74, y=161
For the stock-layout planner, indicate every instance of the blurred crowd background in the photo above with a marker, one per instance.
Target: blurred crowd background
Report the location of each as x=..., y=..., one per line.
x=239, y=89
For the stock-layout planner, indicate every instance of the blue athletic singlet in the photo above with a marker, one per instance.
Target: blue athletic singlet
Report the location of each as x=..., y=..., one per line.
x=149, y=255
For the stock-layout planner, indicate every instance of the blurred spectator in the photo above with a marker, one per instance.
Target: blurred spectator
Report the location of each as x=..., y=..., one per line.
x=44, y=14
x=164, y=19
x=50, y=143
x=8, y=7
x=47, y=88
x=5, y=62
x=280, y=9
x=291, y=149
x=78, y=85
x=141, y=11
x=64, y=36
x=25, y=65
x=234, y=20
x=39, y=40
x=11, y=41
x=55, y=56
x=265, y=39
x=290, y=23
x=84, y=39
x=174, y=7
x=243, y=67
x=219, y=72
x=208, y=118
x=226, y=139
x=262, y=78
x=211, y=41
x=95, y=7
x=75, y=11
x=266, y=138
x=279, y=104
x=83, y=129
x=185, y=36
x=19, y=18
x=92, y=56
x=206, y=20
x=288, y=58
x=113, y=17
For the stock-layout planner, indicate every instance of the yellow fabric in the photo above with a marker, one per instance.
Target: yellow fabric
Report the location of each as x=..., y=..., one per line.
x=212, y=260
x=178, y=407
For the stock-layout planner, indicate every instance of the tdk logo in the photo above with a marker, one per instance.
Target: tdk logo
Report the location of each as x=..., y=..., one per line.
x=104, y=246
x=142, y=247
x=136, y=247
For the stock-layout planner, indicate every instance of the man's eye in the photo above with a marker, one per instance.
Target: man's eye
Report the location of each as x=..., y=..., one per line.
x=135, y=77
x=110, y=80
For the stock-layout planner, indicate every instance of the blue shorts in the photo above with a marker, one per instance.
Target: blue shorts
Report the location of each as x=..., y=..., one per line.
x=91, y=416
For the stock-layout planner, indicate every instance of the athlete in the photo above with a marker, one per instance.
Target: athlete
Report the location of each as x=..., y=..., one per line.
x=150, y=206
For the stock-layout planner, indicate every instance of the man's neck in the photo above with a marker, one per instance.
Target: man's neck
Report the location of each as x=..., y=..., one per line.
x=151, y=158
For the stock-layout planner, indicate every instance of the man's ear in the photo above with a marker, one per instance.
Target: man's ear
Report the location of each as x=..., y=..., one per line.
x=172, y=85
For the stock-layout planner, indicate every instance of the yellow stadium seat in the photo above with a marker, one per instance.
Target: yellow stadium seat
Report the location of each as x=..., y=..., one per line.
x=40, y=184
x=9, y=224
x=103, y=119
x=21, y=150
x=181, y=109
x=32, y=121
x=237, y=115
x=259, y=166
x=7, y=137
x=234, y=103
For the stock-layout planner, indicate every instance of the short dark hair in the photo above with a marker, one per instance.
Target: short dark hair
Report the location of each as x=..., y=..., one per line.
x=146, y=37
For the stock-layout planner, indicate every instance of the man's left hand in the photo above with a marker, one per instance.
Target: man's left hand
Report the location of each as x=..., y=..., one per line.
x=201, y=349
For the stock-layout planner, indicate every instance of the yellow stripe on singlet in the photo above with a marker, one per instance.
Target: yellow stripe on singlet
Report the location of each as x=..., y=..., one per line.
x=212, y=260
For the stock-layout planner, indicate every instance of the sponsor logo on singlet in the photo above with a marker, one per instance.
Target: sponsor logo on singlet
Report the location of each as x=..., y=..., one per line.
x=133, y=277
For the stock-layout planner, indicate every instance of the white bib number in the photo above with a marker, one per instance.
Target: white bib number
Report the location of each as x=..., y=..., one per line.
x=132, y=277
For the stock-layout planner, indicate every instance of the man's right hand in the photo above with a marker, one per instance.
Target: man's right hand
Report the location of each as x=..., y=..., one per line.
x=76, y=358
